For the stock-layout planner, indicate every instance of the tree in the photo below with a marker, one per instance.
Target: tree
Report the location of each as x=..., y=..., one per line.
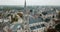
x=53, y=16
x=44, y=13
x=47, y=19
x=57, y=27
x=6, y=9
x=15, y=19
x=58, y=16
x=8, y=15
x=31, y=10
x=20, y=14
x=40, y=14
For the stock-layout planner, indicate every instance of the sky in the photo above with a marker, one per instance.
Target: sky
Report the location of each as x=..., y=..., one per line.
x=30, y=2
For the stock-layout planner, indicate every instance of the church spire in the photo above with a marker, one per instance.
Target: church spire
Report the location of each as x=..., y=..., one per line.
x=25, y=6
x=25, y=3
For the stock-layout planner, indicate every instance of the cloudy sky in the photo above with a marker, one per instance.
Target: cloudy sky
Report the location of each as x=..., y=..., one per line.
x=30, y=2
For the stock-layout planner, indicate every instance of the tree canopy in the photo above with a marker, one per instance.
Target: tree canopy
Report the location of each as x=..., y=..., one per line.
x=14, y=19
x=44, y=13
x=58, y=16
x=57, y=27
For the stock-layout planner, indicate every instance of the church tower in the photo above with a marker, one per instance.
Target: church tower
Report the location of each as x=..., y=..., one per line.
x=25, y=6
x=26, y=19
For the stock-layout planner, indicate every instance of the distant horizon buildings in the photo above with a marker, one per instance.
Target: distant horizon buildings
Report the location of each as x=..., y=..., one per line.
x=31, y=2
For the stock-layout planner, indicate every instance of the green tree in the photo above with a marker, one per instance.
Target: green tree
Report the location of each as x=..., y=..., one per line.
x=44, y=13
x=57, y=27
x=58, y=16
x=6, y=9
x=15, y=19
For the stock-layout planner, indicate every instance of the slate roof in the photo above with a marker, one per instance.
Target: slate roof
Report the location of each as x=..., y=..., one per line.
x=32, y=20
x=36, y=27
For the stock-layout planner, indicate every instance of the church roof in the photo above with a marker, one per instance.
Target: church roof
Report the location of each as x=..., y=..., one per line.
x=32, y=20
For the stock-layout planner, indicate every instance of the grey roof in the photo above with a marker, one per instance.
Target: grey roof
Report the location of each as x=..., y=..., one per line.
x=32, y=20
x=36, y=27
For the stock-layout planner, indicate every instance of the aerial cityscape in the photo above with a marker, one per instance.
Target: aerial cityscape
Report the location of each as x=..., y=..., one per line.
x=29, y=18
